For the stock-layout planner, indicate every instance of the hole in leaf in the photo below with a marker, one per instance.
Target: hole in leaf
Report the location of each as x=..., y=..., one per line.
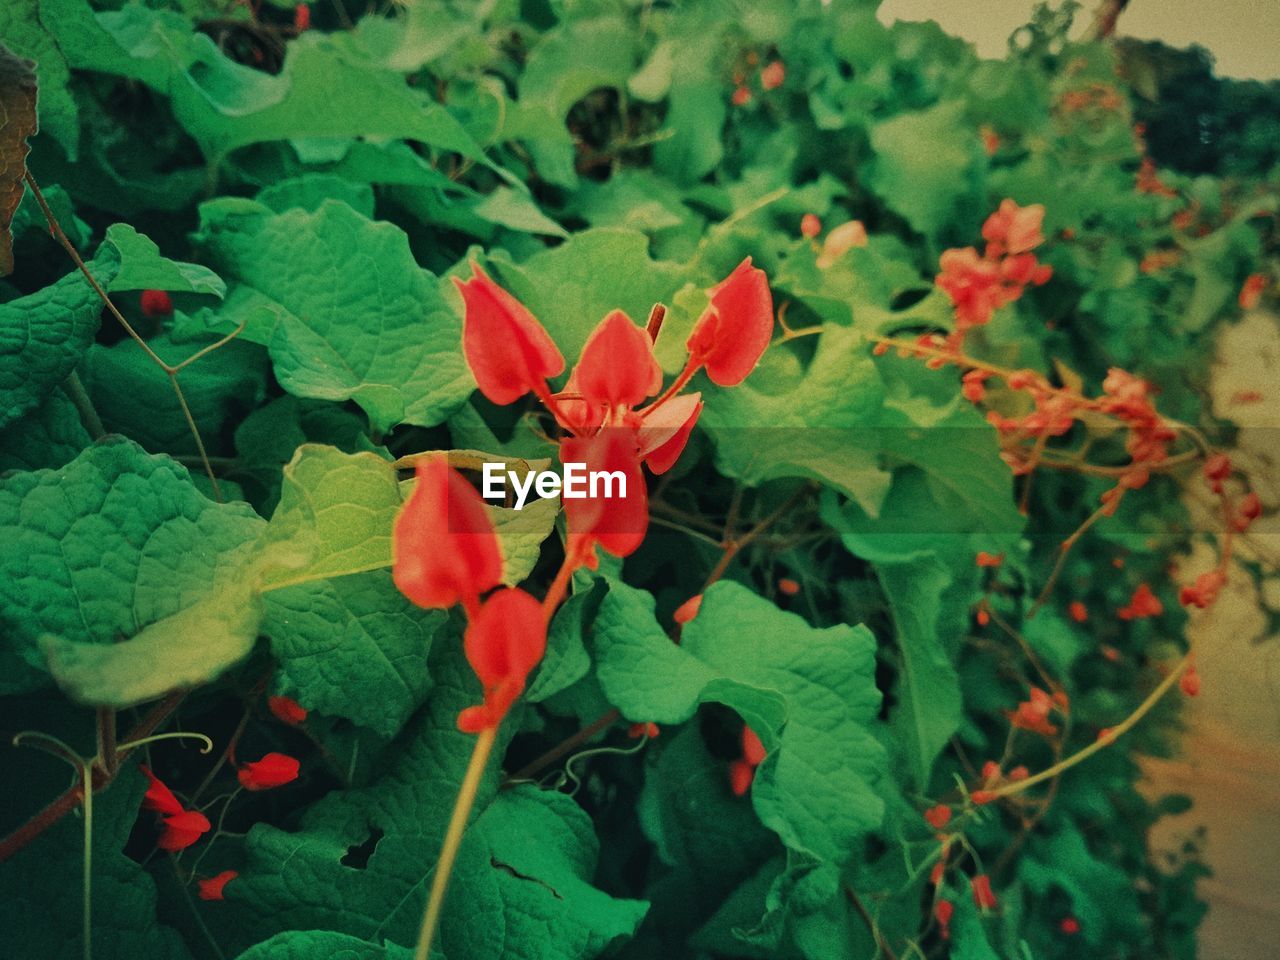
x=357, y=856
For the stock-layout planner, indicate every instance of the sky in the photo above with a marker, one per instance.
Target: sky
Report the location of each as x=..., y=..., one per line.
x=1242, y=35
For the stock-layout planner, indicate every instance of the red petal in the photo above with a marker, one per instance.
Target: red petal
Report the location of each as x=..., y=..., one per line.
x=752, y=749
x=211, y=889
x=443, y=545
x=740, y=776
x=183, y=829
x=155, y=303
x=508, y=350
x=664, y=434
x=287, y=710
x=159, y=797
x=617, y=367
x=273, y=770
x=618, y=524
x=733, y=332
x=504, y=641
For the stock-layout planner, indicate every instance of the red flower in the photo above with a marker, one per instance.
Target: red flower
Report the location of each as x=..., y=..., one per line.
x=810, y=226
x=301, y=21
x=736, y=327
x=211, y=889
x=688, y=610
x=617, y=368
x=1079, y=612
x=508, y=351
x=159, y=797
x=1141, y=605
x=273, y=770
x=741, y=96
x=1013, y=229
x=183, y=829
x=1251, y=291
x=772, y=76
x=1070, y=926
x=1217, y=469
x=155, y=303
x=743, y=772
x=984, y=559
x=444, y=548
x=942, y=911
x=990, y=771
x=638, y=730
x=287, y=710
x=1033, y=714
x=973, y=286
x=504, y=641
x=938, y=816
x=617, y=521
x=788, y=587
x=982, y=895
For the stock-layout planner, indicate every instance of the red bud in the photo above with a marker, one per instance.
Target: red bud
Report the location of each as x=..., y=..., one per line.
x=736, y=327
x=509, y=352
x=443, y=545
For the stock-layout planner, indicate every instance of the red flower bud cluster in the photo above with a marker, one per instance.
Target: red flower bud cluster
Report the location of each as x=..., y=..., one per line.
x=1141, y=605
x=1033, y=713
x=980, y=285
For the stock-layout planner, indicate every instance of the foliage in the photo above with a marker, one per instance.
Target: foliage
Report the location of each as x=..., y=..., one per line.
x=199, y=489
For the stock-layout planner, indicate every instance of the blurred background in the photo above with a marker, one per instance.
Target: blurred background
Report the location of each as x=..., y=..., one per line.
x=1196, y=53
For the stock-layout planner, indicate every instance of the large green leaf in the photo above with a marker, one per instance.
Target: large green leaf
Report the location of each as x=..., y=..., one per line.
x=376, y=331
x=42, y=338
x=114, y=543
x=352, y=647
x=49, y=436
x=525, y=864
x=40, y=888
x=809, y=694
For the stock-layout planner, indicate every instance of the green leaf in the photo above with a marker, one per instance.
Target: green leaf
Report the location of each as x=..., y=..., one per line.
x=162, y=657
x=571, y=288
x=309, y=944
x=111, y=544
x=567, y=660
x=787, y=421
x=525, y=863
x=42, y=338
x=377, y=331
x=337, y=509
x=134, y=396
x=40, y=888
x=924, y=166
x=23, y=26
x=141, y=267
x=309, y=192
x=929, y=700
x=352, y=647
x=708, y=840
x=49, y=436
x=521, y=534
x=809, y=694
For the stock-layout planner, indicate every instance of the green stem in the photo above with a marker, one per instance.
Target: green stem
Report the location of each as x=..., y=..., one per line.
x=453, y=840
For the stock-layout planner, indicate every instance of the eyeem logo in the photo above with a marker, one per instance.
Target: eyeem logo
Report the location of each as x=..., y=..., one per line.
x=577, y=483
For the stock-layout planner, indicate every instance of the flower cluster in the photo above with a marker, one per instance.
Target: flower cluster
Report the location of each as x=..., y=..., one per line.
x=979, y=285
x=445, y=548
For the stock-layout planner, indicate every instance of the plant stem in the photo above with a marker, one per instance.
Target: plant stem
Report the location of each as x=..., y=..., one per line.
x=79, y=396
x=602, y=722
x=1113, y=734
x=453, y=839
